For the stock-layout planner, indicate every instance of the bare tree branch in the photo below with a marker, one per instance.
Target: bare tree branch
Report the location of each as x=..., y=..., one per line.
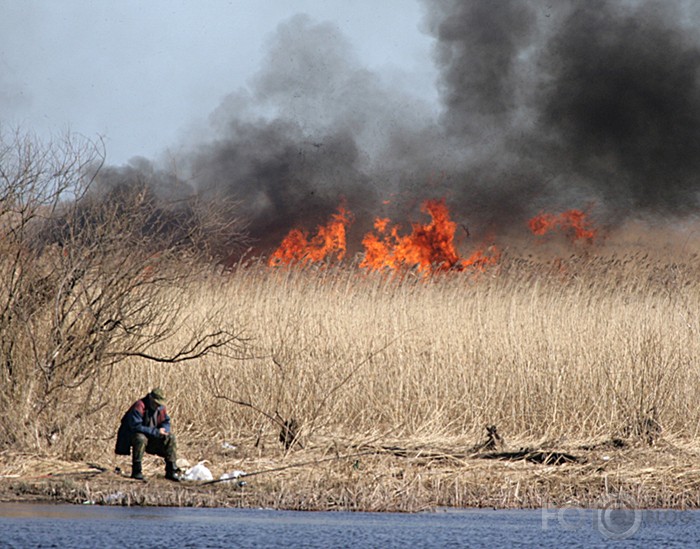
x=92, y=269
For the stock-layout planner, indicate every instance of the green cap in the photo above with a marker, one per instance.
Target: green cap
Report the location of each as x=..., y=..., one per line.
x=158, y=396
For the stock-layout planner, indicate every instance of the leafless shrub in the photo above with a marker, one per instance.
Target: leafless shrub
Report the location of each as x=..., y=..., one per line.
x=87, y=282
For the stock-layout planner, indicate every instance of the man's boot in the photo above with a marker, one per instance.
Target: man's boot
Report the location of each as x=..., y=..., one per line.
x=136, y=470
x=172, y=472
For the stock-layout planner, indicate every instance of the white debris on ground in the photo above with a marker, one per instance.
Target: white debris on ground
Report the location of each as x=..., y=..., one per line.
x=198, y=472
x=233, y=475
x=116, y=497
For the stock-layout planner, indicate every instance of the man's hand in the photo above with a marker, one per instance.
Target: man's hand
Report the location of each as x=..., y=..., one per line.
x=163, y=432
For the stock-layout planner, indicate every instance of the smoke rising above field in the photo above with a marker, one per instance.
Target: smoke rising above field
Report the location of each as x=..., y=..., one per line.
x=572, y=101
x=315, y=128
x=544, y=106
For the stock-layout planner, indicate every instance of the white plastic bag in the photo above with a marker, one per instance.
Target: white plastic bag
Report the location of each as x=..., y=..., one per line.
x=198, y=472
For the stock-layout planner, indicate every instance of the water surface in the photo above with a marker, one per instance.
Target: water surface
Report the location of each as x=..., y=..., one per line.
x=31, y=525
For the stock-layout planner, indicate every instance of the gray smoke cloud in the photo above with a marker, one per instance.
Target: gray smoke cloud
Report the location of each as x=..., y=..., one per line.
x=623, y=103
x=562, y=103
x=545, y=106
x=315, y=128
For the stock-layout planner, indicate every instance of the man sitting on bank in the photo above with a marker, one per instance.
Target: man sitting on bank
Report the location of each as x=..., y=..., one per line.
x=145, y=427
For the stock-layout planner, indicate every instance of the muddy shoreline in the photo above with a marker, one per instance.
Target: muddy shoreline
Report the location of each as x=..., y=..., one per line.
x=382, y=479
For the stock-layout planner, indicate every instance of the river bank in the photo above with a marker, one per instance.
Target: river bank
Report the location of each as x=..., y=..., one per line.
x=383, y=478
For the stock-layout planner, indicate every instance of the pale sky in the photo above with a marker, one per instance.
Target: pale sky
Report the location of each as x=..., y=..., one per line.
x=140, y=73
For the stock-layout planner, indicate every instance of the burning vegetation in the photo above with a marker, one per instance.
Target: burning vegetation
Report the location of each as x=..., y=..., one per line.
x=329, y=242
x=573, y=223
x=429, y=247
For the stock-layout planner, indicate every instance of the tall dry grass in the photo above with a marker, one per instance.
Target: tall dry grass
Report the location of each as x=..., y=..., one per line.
x=554, y=350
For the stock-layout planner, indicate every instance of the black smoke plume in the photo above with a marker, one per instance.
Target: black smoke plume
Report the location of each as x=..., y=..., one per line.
x=314, y=129
x=566, y=102
x=545, y=105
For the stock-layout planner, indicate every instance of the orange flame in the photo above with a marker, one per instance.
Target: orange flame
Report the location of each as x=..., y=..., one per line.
x=573, y=222
x=429, y=247
x=329, y=241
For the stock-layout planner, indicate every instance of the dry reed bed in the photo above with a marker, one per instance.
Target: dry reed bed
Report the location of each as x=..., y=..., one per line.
x=555, y=353
x=574, y=350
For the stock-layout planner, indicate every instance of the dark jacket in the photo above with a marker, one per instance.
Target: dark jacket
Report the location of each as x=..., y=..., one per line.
x=136, y=421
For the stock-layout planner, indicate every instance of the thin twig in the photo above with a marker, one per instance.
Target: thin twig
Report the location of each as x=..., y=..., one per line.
x=284, y=467
x=349, y=376
x=277, y=420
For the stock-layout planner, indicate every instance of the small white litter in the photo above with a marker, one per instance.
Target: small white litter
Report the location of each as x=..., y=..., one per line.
x=232, y=476
x=116, y=497
x=198, y=472
x=228, y=446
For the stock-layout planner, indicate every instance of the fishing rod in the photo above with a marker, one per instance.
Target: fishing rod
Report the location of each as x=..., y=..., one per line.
x=290, y=466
